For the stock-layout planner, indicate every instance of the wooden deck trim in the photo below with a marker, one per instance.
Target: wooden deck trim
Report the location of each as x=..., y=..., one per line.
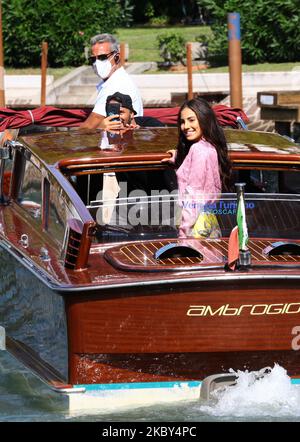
x=138, y=256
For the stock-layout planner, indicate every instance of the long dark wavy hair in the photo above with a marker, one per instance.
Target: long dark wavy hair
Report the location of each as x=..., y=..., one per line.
x=212, y=132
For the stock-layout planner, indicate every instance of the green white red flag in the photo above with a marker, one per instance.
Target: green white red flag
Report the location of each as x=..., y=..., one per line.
x=242, y=225
x=238, y=238
x=233, y=248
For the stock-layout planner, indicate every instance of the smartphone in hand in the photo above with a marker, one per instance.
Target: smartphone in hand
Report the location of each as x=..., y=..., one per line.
x=113, y=109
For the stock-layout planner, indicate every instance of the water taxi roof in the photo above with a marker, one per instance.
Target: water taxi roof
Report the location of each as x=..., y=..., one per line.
x=78, y=148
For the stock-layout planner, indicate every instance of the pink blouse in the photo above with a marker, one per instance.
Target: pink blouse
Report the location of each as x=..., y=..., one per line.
x=198, y=183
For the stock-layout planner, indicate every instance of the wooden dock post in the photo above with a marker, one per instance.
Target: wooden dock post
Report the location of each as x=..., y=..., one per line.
x=2, y=93
x=235, y=60
x=189, y=64
x=44, y=63
x=122, y=53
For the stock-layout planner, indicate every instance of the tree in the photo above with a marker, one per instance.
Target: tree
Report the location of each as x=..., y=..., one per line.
x=127, y=9
x=66, y=26
x=270, y=29
x=176, y=10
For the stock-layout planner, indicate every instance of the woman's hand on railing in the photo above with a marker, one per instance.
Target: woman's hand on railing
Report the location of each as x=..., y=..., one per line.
x=172, y=158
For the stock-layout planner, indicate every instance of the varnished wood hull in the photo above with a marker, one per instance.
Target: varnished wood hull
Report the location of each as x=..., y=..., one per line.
x=175, y=333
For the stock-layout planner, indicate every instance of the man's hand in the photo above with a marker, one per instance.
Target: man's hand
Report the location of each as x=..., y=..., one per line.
x=109, y=123
x=97, y=121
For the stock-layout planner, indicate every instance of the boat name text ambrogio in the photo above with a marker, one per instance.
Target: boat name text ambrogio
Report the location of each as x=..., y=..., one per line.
x=252, y=309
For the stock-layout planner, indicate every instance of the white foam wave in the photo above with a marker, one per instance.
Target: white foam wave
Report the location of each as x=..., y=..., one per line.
x=271, y=395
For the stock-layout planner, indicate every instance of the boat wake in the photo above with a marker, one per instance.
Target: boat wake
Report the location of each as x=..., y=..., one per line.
x=272, y=395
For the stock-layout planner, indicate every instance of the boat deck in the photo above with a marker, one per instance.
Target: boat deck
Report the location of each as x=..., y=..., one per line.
x=140, y=256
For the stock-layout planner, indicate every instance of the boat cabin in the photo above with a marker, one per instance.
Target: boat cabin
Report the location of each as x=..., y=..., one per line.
x=106, y=188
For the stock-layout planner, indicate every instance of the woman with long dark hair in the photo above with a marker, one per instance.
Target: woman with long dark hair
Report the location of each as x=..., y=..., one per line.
x=203, y=167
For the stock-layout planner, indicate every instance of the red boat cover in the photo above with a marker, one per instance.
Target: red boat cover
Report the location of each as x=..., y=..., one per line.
x=45, y=116
x=52, y=116
x=226, y=115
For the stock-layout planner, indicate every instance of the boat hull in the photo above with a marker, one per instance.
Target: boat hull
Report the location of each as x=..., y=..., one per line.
x=153, y=344
x=175, y=333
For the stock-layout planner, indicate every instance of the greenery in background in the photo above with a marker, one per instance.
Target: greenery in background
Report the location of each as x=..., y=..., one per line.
x=142, y=41
x=261, y=67
x=127, y=9
x=172, y=47
x=163, y=12
x=66, y=26
x=56, y=72
x=60, y=72
x=270, y=29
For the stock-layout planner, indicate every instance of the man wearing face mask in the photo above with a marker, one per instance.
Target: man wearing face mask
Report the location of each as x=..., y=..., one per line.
x=106, y=64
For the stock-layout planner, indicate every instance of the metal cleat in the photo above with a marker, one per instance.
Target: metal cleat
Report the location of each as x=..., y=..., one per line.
x=216, y=381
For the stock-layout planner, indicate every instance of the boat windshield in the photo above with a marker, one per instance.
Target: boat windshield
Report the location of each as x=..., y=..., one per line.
x=158, y=216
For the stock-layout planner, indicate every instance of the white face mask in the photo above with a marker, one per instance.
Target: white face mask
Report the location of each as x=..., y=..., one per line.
x=102, y=68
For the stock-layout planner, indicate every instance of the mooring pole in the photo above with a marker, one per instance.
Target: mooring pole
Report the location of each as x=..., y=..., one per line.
x=44, y=72
x=189, y=64
x=235, y=60
x=2, y=94
x=122, y=53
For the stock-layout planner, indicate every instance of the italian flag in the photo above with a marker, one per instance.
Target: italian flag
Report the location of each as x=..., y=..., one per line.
x=238, y=238
x=233, y=248
x=242, y=225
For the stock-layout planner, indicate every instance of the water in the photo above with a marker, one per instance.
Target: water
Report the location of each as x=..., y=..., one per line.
x=24, y=398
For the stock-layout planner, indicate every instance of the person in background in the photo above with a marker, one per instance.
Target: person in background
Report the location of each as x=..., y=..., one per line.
x=139, y=180
x=202, y=167
x=112, y=131
x=128, y=114
x=106, y=64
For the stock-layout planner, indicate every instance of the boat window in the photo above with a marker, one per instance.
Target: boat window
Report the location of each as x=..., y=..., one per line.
x=143, y=217
x=7, y=165
x=137, y=205
x=58, y=213
x=136, y=217
x=54, y=219
x=267, y=215
x=269, y=181
x=87, y=186
x=46, y=198
x=30, y=196
x=91, y=187
x=289, y=182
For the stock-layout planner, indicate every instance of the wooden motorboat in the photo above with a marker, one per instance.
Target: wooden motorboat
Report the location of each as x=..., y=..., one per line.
x=137, y=314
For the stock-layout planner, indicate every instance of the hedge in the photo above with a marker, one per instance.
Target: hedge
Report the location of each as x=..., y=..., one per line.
x=66, y=26
x=270, y=29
